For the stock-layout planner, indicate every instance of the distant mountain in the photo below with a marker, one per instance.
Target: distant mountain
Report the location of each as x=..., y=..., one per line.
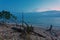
x=52, y=13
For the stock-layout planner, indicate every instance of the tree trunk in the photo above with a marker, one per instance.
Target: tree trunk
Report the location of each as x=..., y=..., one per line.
x=28, y=36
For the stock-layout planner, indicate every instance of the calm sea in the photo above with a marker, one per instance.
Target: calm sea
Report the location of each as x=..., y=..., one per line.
x=38, y=20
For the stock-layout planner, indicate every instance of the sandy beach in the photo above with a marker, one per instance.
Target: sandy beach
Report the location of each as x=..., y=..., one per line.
x=6, y=33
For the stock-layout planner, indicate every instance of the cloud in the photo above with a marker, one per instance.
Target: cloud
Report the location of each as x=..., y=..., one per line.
x=40, y=10
x=46, y=9
x=58, y=9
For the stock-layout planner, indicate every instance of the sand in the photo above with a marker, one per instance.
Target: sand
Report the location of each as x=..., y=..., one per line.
x=6, y=33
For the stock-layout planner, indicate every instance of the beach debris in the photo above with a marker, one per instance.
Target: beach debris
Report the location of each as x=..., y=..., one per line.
x=35, y=33
x=17, y=29
x=50, y=28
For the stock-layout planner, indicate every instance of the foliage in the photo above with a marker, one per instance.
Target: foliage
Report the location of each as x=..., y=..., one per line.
x=6, y=15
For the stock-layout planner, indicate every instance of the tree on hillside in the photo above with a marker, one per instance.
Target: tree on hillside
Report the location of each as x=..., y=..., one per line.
x=6, y=15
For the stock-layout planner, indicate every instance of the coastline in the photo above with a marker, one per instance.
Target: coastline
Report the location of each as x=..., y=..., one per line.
x=10, y=33
x=39, y=26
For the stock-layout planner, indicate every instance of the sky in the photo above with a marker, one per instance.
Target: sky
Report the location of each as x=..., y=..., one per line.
x=29, y=5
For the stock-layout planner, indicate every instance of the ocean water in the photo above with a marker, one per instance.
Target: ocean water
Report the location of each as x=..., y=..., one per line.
x=38, y=20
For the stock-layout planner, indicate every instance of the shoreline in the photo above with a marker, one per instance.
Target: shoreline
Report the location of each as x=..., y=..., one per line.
x=39, y=30
x=40, y=26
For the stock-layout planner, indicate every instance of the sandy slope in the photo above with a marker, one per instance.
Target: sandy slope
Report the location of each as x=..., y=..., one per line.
x=6, y=33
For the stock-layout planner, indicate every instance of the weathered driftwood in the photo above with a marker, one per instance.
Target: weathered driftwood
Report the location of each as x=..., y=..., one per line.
x=20, y=30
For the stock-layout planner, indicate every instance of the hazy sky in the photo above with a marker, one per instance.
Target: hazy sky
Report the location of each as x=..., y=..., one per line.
x=29, y=5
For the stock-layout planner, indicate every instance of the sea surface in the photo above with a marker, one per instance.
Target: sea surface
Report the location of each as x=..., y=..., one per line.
x=38, y=20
